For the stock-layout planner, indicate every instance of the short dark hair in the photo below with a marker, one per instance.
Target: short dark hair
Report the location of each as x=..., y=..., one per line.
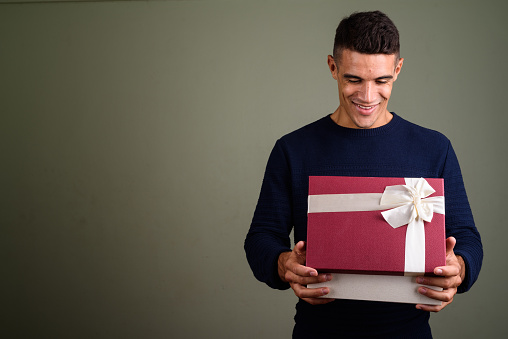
x=368, y=33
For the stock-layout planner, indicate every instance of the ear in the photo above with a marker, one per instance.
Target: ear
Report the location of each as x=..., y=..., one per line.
x=398, y=68
x=333, y=67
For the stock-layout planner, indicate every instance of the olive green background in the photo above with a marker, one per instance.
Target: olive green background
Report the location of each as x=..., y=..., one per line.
x=133, y=141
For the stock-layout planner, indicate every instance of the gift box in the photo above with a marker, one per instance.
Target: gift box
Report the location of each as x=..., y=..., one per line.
x=364, y=225
x=390, y=288
x=376, y=226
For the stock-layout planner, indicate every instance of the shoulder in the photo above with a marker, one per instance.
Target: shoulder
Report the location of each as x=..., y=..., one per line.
x=419, y=134
x=306, y=133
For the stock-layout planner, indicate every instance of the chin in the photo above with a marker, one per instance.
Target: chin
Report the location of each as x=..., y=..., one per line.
x=363, y=123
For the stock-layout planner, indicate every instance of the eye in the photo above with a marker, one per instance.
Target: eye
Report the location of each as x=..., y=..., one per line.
x=381, y=82
x=353, y=81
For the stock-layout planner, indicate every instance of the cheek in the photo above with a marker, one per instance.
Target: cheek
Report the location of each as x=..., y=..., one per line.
x=347, y=91
x=385, y=92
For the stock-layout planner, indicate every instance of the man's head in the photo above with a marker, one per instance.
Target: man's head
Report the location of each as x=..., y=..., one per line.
x=367, y=33
x=365, y=64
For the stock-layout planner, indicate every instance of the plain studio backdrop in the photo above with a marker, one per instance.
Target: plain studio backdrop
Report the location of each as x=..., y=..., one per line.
x=134, y=137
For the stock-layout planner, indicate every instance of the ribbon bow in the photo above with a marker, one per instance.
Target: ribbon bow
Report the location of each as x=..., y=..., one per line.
x=415, y=208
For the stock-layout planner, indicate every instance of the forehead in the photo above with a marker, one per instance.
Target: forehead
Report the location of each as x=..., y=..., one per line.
x=366, y=65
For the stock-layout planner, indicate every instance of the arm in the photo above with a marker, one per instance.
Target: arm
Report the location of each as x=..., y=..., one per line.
x=267, y=244
x=460, y=223
x=271, y=225
x=464, y=251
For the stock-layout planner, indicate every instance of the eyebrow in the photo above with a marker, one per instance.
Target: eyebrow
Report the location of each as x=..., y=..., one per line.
x=351, y=76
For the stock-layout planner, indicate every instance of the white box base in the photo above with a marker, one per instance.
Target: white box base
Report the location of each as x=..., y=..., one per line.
x=402, y=289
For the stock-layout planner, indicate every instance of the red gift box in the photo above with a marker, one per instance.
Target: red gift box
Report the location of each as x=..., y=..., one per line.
x=362, y=241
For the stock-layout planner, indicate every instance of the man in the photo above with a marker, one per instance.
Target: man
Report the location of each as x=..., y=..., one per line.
x=361, y=138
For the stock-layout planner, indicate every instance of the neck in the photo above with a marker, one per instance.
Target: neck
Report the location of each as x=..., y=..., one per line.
x=341, y=118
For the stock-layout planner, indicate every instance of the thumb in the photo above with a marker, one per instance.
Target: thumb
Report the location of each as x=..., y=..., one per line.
x=450, y=244
x=300, y=247
x=300, y=251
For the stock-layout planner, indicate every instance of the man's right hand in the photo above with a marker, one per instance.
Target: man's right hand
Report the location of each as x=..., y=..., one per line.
x=292, y=270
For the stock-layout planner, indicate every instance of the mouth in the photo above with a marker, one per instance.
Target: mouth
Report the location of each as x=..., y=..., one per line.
x=365, y=109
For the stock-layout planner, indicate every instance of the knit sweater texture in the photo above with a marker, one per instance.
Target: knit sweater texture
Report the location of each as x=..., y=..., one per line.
x=397, y=149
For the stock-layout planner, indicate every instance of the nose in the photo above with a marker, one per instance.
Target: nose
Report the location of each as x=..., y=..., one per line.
x=366, y=93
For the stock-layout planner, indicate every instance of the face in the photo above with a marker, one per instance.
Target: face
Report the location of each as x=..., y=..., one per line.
x=365, y=84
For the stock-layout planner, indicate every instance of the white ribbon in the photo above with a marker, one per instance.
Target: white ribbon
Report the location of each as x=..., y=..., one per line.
x=404, y=204
x=415, y=208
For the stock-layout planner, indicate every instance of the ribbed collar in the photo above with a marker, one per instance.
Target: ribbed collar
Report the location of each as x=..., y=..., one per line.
x=364, y=132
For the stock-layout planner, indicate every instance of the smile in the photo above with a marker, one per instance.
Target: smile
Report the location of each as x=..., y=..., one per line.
x=364, y=107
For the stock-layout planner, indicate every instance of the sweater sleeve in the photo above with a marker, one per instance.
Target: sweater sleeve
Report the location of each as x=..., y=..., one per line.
x=459, y=221
x=271, y=225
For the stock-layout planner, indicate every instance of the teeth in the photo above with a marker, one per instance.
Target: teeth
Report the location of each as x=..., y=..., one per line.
x=365, y=107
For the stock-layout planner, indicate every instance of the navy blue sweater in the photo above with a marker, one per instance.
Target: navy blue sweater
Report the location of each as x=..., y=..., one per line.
x=397, y=149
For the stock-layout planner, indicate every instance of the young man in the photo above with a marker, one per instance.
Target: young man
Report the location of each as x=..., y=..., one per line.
x=361, y=138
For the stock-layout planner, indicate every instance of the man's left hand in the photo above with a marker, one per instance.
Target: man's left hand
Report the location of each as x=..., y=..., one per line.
x=449, y=277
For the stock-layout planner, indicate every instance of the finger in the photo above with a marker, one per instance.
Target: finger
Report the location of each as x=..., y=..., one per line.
x=450, y=244
x=306, y=280
x=301, y=270
x=445, y=295
x=299, y=252
x=447, y=271
x=300, y=248
x=304, y=292
x=432, y=308
x=448, y=282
